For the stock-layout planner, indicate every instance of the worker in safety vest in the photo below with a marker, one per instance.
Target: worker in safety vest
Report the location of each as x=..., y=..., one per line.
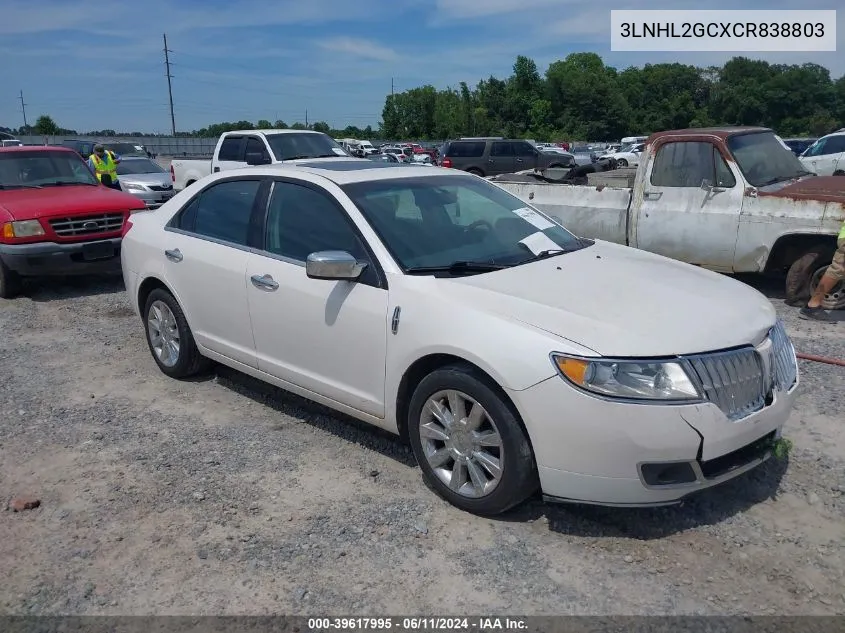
x=103, y=163
x=834, y=274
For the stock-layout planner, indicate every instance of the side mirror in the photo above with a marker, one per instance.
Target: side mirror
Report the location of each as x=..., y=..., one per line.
x=257, y=158
x=709, y=187
x=334, y=265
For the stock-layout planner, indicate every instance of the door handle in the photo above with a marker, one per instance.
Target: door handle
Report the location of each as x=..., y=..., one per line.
x=264, y=282
x=652, y=195
x=174, y=255
x=490, y=160
x=216, y=169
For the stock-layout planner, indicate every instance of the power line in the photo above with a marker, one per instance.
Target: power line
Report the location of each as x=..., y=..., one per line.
x=169, y=86
x=23, y=109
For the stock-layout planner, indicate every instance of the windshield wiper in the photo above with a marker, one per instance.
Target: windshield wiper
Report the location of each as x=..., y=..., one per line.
x=20, y=186
x=306, y=156
x=457, y=267
x=777, y=179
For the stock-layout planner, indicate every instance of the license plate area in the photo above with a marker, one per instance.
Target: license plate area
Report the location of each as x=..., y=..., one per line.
x=97, y=250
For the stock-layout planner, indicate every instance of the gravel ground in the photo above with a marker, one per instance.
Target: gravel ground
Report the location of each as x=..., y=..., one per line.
x=225, y=496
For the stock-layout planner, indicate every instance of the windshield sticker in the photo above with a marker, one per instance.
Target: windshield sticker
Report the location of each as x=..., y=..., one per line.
x=534, y=218
x=338, y=151
x=539, y=242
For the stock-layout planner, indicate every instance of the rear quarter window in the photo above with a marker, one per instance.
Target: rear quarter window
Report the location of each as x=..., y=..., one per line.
x=464, y=149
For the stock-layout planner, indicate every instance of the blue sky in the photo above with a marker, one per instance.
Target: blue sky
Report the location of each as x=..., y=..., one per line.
x=92, y=65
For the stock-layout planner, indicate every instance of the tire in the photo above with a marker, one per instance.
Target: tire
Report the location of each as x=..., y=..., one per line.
x=10, y=283
x=518, y=478
x=806, y=270
x=475, y=171
x=188, y=362
x=621, y=162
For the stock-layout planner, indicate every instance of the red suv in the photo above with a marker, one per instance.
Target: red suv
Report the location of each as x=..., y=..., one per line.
x=55, y=217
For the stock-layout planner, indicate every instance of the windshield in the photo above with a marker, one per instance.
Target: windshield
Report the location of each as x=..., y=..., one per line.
x=439, y=220
x=294, y=145
x=43, y=168
x=146, y=166
x=763, y=159
x=127, y=149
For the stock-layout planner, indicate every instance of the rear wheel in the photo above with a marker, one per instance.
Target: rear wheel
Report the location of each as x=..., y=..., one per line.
x=475, y=171
x=10, y=283
x=169, y=337
x=621, y=162
x=469, y=443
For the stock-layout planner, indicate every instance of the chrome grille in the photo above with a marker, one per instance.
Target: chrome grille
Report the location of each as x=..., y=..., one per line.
x=735, y=380
x=160, y=187
x=87, y=224
x=786, y=365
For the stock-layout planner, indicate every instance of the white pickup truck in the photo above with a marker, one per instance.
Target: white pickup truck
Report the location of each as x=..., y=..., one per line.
x=255, y=147
x=733, y=200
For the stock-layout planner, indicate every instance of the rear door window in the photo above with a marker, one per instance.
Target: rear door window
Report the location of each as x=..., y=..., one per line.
x=466, y=149
x=230, y=149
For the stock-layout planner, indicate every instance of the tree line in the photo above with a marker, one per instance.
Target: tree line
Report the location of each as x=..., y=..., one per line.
x=581, y=98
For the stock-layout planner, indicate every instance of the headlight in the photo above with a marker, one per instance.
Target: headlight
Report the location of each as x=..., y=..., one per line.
x=629, y=379
x=133, y=187
x=23, y=228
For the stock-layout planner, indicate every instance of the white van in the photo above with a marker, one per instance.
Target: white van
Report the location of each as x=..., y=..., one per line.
x=631, y=140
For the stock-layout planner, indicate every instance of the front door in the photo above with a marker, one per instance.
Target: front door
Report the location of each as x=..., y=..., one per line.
x=688, y=205
x=230, y=155
x=205, y=248
x=329, y=337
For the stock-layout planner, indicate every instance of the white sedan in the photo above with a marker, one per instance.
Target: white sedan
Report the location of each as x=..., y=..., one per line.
x=626, y=156
x=511, y=354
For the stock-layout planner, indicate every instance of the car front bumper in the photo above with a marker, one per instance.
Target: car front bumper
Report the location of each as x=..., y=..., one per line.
x=596, y=451
x=53, y=258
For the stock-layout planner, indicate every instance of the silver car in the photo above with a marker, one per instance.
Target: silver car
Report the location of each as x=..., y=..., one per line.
x=145, y=179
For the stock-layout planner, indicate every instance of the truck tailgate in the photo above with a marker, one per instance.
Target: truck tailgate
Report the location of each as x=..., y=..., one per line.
x=593, y=212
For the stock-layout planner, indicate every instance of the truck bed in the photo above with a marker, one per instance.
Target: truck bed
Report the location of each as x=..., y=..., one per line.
x=597, y=211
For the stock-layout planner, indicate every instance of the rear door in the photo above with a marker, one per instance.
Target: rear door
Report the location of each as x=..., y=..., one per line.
x=206, y=248
x=687, y=205
x=501, y=158
x=230, y=154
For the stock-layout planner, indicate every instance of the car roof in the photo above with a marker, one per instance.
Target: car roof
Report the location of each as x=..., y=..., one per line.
x=350, y=170
x=274, y=131
x=37, y=148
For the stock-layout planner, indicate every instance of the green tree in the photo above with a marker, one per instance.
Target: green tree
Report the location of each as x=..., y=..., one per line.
x=46, y=125
x=322, y=126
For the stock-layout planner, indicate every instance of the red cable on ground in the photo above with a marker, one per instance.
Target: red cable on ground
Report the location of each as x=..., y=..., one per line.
x=821, y=359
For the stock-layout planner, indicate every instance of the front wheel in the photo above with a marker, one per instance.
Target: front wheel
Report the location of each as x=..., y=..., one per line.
x=469, y=443
x=476, y=172
x=804, y=275
x=169, y=337
x=10, y=283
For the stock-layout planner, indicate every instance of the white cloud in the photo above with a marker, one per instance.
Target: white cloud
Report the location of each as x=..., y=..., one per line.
x=359, y=47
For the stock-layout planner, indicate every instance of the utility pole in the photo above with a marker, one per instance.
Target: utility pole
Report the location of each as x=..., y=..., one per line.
x=23, y=109
x=169, y=86
x=391, y=86
x=306, y=117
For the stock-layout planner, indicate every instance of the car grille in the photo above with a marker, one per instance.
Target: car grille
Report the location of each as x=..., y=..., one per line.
x=740, y=381
x=87, y=225
x=160, y=187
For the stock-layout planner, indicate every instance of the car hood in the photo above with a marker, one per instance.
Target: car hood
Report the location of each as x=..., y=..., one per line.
x=29, y=204
x=623, y=302
x=822, y=188
x=159, y=180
